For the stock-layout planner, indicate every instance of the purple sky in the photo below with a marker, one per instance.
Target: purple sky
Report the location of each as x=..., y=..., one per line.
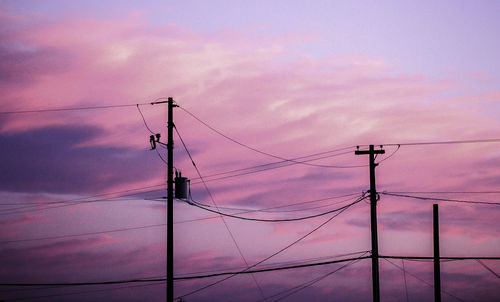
x=289, y=78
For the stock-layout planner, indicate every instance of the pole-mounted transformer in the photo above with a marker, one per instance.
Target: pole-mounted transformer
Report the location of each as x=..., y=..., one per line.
x=181, y=186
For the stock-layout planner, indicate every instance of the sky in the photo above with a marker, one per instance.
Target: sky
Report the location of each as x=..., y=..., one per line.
x=82, y=193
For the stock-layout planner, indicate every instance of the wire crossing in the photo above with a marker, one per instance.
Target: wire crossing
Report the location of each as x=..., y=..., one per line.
x=272, y=255
x=215, y=204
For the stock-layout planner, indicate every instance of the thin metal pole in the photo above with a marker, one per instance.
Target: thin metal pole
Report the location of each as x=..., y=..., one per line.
x=437, y=268
x=170, y=203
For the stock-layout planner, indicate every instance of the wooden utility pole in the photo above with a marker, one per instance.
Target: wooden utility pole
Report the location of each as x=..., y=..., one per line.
x=437, y=268
x=373, y=218
x=170, y=203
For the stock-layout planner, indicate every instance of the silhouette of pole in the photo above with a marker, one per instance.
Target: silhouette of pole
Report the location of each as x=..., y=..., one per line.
x=170, y=203
x=437, y=268
x=373, y=219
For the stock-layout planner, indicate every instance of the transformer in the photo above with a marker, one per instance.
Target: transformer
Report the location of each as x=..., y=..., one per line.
x=181, y=186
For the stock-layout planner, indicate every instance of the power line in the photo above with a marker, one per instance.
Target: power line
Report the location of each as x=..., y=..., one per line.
x=260, y=151
x=284, y=267
x=26, y=206
x=284, y=161
x=84, y=234
x=404, y=278
x=144, y=120
x=444, y=192
x=422, y=280
x=488, y=268
x=266, y=167
x=474, y=141
x=77, y=201
x=270, y=256
x=153, y=133
x=160, y=279
x=269, y=168
x=277, y=264
x=296, y=289
x=194, y=203
x=270, y=208
x=441, y=199
x=156, y=279
x=35, y=208
x=161, y=157
x=281, y=264
x=441, y=258
x=262, y=270
x=213, y=201
x=85, y=292
x=42, y=110
x=71, y=108
x=391, y=155
x=57, y=202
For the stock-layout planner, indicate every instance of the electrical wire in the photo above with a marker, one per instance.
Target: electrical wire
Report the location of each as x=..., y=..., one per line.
x=260, y=151
x=287, y=164
x=270, y=256
x=263, y=270
x=81, y=108
x=404, y=278
x=213, y=201
x=84, y=234
x=155, y=279
x=305, y=285
x=272, y=209
x=70, y=108
x=194, y=203
x=391, y=155
x=440, y=199
x=275, y=264
x=474, y=141
x=161, y=157
x=84, y=292
x=488, y=268
x=31, y=205
x=422, y=280
x=444, y=192
x=36, y=208
x=57, y=202
x=266, y=209
x=246, y=271
x=440, y=258
x=144, y=120
x=162, y=278
x=77, y=201
x=153, y=133
x=284, y=161
x=267, y=169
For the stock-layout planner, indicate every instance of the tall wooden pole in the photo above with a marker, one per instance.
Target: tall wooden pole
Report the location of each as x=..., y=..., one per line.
x=170, y=203
x=437, y=268
x=373, y=220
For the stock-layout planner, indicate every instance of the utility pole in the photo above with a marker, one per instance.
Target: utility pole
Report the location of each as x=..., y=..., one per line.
x=170, y=202
x=437, y=268
x=373, y=218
